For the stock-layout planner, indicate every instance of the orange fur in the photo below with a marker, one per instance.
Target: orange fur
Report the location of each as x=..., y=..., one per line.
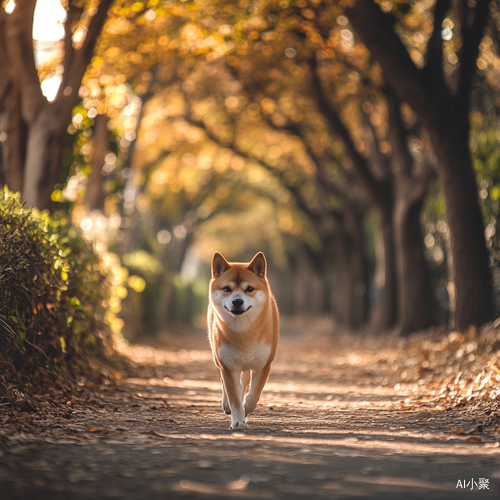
x=243, y=330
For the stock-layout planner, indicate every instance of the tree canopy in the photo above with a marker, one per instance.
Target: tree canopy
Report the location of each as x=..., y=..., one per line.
x=354, y=138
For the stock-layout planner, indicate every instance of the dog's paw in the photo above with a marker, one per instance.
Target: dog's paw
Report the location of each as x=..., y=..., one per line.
x=238, y=425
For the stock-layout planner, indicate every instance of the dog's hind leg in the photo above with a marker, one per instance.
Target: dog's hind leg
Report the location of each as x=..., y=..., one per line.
x=245, y=381
x=225, y=402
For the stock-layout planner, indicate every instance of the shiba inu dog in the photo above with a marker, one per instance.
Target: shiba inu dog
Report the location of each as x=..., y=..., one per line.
x=243, y=329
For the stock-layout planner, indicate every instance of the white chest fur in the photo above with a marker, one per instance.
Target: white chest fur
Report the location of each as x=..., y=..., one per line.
x=252, y=359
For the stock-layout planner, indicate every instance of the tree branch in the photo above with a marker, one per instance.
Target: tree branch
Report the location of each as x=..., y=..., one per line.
x=473, y=22
x=434, y=54
x=4, y=60
x=19, y=28
x=411, y=179
x=292, y=189
x=376, y=189
x=402, y=158
x=324, y=181
x=73, y=16
x=376, y=30
x=379, y=161
x=67, y=95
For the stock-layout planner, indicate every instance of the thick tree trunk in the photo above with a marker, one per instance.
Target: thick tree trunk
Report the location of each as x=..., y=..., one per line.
x=415, y=297
x=328, y=278
x=416, y=309
x=358, y=293
x=387, y=313
x=351, y=283
x=358, y=271
x=43, y=159
x=342, y=281
x=14, y=144
x=472, y=279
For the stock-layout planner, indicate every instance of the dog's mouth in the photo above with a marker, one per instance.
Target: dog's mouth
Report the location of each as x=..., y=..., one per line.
x=238, y=312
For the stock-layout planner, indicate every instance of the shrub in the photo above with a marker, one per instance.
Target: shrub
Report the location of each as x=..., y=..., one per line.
x=58, y=298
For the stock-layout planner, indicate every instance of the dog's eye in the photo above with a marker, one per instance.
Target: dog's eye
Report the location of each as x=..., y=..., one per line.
x=226, y=289
x=249, y=289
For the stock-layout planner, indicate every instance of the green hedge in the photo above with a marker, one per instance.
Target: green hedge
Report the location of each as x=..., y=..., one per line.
x=58, y=298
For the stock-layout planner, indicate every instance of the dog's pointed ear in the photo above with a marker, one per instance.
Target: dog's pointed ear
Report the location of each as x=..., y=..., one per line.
x=258, y=265
x=219, y=265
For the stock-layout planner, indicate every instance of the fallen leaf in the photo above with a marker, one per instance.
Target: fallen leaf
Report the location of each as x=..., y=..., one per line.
x=474, y=439
x=494, y=367
x=95, y=429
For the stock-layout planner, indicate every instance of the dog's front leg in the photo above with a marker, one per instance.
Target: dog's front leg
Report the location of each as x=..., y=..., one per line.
x=225, y=402
x=259, y=379
x=232, y=386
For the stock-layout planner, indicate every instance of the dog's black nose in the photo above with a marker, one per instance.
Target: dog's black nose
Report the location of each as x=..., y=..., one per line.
x=237, y=302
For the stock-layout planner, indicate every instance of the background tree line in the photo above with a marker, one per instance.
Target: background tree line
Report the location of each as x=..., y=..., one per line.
x=356, y=142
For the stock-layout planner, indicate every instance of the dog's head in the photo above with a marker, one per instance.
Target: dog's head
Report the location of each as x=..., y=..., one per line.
x=239, y=291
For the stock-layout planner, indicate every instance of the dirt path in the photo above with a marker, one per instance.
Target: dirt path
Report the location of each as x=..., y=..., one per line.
x=330, y=425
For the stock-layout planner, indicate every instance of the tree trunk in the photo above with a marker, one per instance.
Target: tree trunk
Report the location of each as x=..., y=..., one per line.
x=358, y=271
x=43, y=160
x=415, y=298
x=327, y=297
x=415, y=295
x=14, y=144
x=358, y=293
x=95, y=195
x=342, y=282
x=351, y=284
x=472, y=278
x=388, y=301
